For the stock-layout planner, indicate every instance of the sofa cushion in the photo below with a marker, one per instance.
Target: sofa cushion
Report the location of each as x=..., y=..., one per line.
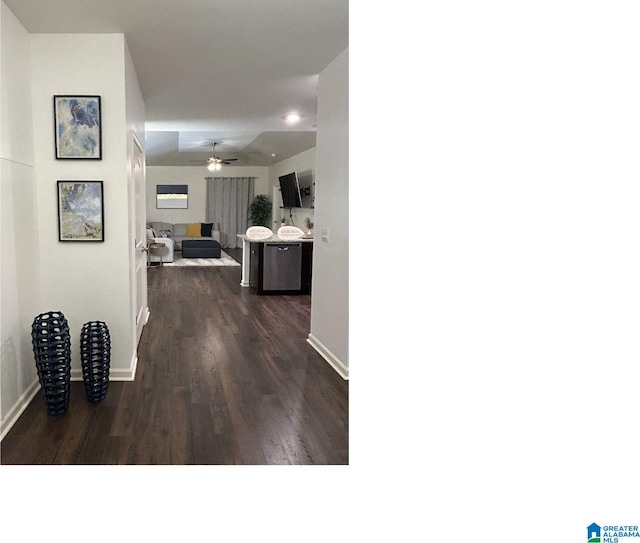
x=193, y=230
x=180, y=230
x=205, y=229
x=157, y=226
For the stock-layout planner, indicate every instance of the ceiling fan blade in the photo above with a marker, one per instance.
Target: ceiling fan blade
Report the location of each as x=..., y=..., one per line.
x=231, y=159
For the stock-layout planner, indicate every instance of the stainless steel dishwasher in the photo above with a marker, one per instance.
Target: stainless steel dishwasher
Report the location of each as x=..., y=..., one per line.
x=282, y=266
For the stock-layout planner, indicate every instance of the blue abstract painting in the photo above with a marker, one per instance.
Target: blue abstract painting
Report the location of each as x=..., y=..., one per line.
x=78, y=127
x=80, y=211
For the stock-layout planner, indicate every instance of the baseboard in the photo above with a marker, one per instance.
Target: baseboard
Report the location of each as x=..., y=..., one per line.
x=134, y=367
x=114, y=374
x=333, y=360
x=18, y=408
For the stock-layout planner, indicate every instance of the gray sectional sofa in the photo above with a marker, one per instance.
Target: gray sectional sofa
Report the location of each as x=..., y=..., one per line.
x=178, y=232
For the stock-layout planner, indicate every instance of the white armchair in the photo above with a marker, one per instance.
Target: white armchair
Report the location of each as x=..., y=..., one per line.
x=163, y=254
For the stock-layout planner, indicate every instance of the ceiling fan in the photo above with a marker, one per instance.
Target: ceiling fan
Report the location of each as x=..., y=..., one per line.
x=214, y=163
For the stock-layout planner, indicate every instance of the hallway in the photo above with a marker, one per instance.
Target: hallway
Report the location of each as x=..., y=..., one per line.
x=224, y=376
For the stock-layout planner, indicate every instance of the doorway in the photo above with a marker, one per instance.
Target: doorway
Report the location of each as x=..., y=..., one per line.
x=137, y=195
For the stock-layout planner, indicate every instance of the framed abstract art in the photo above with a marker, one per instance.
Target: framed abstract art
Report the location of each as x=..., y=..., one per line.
x=78, y=127
x=172, y=196
x=80, y=211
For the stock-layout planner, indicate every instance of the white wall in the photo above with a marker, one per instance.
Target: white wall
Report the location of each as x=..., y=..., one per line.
x=330, y=282
x=194, y=177
x=303, y=163
x=19, y=261
x=86, y=281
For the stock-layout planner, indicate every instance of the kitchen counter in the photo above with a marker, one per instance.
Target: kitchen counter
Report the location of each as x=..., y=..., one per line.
x=246, y=252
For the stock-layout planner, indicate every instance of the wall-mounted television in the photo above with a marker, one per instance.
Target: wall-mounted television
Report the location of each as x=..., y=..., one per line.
x=290, y=190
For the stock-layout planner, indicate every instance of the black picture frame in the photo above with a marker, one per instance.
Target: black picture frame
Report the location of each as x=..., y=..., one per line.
x=80, y=211
x=77, y=127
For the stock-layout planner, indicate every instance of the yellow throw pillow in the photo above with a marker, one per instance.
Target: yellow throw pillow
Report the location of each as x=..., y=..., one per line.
x=193, y=230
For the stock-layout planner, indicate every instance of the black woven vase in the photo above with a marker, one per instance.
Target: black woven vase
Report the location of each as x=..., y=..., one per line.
x=52, y=350
x=95, y=348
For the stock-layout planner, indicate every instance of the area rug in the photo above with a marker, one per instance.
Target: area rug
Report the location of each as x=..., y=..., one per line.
x=224, y=260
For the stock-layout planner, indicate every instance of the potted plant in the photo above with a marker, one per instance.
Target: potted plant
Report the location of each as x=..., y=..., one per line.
x=259, y=210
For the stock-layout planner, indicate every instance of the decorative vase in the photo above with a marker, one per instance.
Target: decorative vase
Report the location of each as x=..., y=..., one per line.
x=95, y=348
x=52, y=350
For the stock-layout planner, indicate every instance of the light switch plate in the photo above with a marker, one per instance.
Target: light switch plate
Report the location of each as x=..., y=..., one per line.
x=324, y=234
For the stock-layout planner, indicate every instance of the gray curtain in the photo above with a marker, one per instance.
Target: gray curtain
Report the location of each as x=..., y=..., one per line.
x=228, y=200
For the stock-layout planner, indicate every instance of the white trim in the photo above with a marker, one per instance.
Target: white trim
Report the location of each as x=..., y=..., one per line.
x=246, y=262
x=333, y=360
x=134, y=367
x=137, y=141
x=114, y=374
x=18, y=408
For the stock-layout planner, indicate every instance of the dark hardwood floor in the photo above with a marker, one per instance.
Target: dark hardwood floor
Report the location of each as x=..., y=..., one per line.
x=224, y=377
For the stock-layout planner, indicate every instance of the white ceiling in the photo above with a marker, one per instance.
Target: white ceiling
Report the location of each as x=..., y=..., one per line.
x=227, y=71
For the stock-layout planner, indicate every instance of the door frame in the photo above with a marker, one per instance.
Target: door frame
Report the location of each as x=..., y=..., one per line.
x=137, y=221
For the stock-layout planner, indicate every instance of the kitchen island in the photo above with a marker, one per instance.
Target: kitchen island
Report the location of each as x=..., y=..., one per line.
x=277, y=266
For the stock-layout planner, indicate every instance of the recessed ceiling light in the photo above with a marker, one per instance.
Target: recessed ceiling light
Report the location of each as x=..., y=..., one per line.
x=293, y=118
x=273, y=154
